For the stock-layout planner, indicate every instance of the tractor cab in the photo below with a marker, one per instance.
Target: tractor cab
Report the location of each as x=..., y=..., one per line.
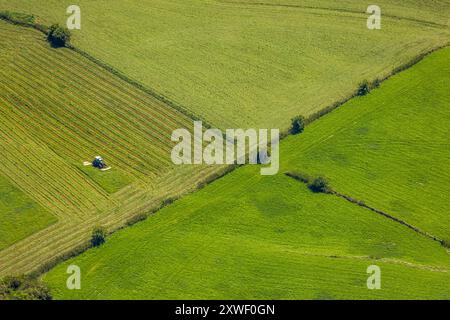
x=99, y=163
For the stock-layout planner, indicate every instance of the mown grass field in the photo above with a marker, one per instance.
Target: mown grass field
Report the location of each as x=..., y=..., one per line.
x=58, y=110
x=247, y=236
x=241, y=64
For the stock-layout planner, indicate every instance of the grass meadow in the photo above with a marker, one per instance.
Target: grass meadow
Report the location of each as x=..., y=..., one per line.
x=390, y=148
x=241, y=64
x=247, y=236
x=253, y=237
x=48, y=131
x=231, y=63
x=19, y=214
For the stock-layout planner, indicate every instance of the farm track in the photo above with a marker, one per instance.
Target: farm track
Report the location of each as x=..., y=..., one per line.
x=46, y=133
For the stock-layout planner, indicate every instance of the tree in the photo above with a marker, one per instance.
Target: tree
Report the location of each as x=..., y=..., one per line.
x=58, y=36
x=298, y=125
x=320, y=184
x=364, y=88
x=23, y=288
x=98, y=236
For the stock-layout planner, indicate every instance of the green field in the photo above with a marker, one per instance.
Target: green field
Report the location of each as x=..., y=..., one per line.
x=247, y=236
x=232, y=63
x=389, y=149
x=239, y=64
x=58, y=110
x=20, y=216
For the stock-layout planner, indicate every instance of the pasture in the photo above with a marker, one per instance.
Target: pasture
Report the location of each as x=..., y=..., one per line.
x=20, y=215
x=241, y=64
x=390, y=148
x=251, y=237
x=247, y=236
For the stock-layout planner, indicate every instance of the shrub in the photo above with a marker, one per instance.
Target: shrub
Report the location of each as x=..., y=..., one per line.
x=376, y=83
x=23, y=288
x=168, y=201
x=58, y=36
x=320, y=184
x=363, y=88
x=446, y=244
x=18, y=18
x=298, y=125
x=299, y=176
x=136, y=218
x=98, y=236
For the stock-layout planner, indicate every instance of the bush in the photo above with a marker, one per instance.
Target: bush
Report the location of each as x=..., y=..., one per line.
x=23, y=288
x=136, y=218
x=446, y=244
x=376, y=83
x=58, y=36
x=298, y=125
x=18, y=18
x=320, y=184
x=364, y=88
x=299, y=176
x=168, y=201
x=98, y=236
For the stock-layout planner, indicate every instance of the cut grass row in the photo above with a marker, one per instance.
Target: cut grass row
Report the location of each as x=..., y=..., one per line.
x=103, y=125
x=44, y=249
x=59, y=109
x=242, y=65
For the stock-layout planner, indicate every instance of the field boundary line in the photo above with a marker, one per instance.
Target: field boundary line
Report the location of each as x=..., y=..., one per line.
x=433, y=268
x=214, y=176
x=316, y=115
x=110, y=69
x=296, y=6
x=362, y=204
x=387, y=215
x=403, y=67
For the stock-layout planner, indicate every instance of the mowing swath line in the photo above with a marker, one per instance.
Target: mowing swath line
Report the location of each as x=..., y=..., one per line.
x=19, y=259
x=336, y=10
x=99, y=134
x=165, y=109
x=169, y=113
x=98, y=146
x=24, y=138
x=104, y=91
x=42, y=165
x=137, y=197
